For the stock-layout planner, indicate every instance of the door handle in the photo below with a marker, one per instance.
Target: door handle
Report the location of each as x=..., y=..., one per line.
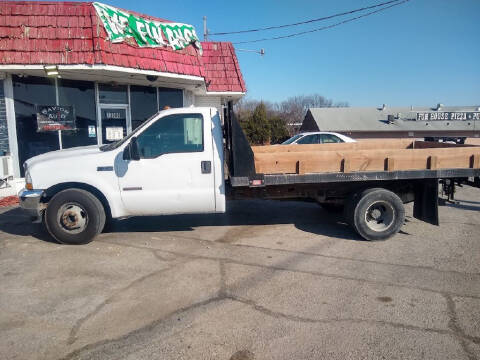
x=206, y=167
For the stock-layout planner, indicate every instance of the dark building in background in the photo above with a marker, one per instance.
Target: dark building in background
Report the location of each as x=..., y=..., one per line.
x=396, y=122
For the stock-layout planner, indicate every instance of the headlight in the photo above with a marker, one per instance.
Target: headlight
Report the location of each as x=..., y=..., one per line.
x=28, y=181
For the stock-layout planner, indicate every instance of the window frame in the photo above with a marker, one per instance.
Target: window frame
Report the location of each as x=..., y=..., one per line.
x=331, y=135
x=174, y=152
x=307, y=136
x=133, y=109
x=292, y=140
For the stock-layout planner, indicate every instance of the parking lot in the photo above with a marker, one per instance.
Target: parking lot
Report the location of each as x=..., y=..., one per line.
x=267, y=280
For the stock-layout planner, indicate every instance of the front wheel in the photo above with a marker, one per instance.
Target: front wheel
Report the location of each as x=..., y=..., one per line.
x=375, y=214
x=74, y=216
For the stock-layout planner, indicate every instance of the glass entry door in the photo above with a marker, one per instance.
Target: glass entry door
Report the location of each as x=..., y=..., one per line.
x=115, y=122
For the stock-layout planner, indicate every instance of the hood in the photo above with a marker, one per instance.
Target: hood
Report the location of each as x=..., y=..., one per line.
x=62, y=154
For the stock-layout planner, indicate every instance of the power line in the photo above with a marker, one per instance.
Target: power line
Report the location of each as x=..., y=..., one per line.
x=305, y=22
x=324, y=27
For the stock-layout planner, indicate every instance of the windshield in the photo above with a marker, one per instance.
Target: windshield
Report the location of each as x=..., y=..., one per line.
x=119, y=143
x=292, y=139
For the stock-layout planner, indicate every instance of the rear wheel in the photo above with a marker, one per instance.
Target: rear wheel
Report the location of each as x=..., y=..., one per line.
x=375, y=214
x=74, y=216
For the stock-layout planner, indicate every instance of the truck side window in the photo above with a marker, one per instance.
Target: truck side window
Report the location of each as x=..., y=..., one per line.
x=176, y=133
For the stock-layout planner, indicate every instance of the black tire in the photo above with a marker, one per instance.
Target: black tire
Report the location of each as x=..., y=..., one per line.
x=74, y=217
x=375, y=214
x=109, y=225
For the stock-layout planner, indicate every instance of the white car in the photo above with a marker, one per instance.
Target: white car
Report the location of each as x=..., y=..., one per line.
x=318, y=138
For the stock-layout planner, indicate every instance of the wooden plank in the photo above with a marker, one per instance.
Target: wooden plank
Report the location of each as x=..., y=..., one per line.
x=475, y=161
x=301, y=167
x=389, y=164
x=365, y=160
x=432, y=162
x=359, y=145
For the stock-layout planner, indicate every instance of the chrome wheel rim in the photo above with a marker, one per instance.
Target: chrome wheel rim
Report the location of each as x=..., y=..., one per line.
x=72, y=218
x=380, y=216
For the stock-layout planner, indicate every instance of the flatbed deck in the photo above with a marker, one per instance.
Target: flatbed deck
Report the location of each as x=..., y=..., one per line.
x=324, y=178
x=373, y=160
x=364, y=156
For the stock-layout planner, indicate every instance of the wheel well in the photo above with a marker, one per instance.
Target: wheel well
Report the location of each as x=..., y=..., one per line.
x=403, y=189
x=51, y=191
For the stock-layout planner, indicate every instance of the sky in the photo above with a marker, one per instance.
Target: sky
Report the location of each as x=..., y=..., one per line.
x=419, y=53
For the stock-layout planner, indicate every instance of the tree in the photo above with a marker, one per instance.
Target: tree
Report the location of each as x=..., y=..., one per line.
x=294, y=108
x=278, y=130
x=266, y=122
x=257, y=127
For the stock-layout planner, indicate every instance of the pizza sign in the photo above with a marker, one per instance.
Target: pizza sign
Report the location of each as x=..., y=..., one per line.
x=450, y=116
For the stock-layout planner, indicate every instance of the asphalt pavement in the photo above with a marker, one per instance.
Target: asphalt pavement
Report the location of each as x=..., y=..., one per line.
x=267, y=280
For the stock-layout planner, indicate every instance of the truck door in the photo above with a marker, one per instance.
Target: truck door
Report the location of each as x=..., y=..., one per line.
x=175, y=172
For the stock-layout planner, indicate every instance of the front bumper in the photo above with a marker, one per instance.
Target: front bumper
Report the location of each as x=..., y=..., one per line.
x=30, y=201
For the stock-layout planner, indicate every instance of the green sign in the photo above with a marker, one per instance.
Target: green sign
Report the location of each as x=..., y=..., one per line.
x=120, y=25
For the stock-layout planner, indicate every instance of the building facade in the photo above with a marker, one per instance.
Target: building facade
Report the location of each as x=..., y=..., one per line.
x=396, y=122
x=77, y=74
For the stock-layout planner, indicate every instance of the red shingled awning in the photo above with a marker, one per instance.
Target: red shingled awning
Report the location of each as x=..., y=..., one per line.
x=70, y=33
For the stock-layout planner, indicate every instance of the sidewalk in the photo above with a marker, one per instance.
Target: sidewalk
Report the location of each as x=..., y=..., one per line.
x=9, y=201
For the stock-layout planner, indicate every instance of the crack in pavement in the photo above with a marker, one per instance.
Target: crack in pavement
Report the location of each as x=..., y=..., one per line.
x=453, y=326
x=280, y=315
x=137, y=332
x=325, y=256
x=420, y=267
x=224, y=294
x=72, y=337
x=457, y=330
x=223, y=279
x=315, y=273
x=160, y=257
x=454, y=329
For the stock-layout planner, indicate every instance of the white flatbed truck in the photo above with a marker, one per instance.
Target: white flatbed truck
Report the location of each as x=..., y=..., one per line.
x=174, y=164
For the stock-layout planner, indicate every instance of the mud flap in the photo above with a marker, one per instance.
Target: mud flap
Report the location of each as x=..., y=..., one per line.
x=425, y=207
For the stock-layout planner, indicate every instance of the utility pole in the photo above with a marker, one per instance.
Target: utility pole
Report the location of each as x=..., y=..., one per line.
x=205, y=29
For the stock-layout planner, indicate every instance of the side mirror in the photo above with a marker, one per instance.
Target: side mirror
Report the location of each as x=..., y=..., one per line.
x=131, y=150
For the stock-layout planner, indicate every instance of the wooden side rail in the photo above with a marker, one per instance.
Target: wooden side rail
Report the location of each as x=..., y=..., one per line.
x=367, y=160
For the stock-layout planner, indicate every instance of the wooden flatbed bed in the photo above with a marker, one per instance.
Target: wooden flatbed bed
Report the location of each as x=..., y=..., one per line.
x=369, y=180
x=364, y=156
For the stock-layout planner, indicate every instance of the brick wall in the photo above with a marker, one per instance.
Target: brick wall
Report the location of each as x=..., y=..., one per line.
x=3, y=122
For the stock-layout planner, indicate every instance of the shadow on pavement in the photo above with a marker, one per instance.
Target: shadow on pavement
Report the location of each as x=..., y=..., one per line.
x=15, y=222
x=470, y=202
x=305, y=216
x=459, y=205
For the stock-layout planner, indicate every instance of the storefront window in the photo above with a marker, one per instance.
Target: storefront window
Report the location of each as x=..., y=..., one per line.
x=170, y=97
x=143, y=104
x=81, y=95
x=28, y=92
x=113, y=94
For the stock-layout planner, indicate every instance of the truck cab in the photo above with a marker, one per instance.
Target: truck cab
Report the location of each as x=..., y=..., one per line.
x=171, y=164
